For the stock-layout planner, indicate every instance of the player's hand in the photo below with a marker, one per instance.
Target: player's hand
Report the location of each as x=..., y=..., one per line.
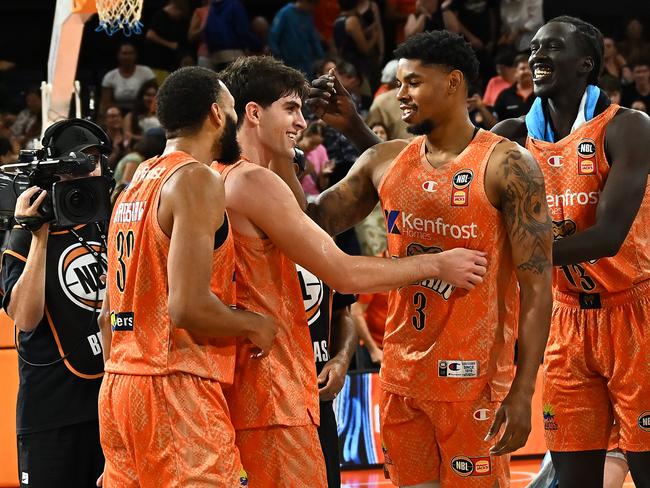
x=330, y=101
x=376, y=355
x=331, y=379
x=514, y=413
x=462, y=267
x=262, y=334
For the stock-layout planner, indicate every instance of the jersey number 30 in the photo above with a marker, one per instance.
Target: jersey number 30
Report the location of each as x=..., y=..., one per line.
x=124, y=244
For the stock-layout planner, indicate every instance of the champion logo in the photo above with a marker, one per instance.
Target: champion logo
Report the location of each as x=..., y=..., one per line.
x=555, y=161
x=482, y=414
x=391, y=221
x=429, y=186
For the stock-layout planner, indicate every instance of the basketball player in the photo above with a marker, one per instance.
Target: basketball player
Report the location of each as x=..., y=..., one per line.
x=594, y=155
x=164, y=420
x=448, y=356
x=274, y=402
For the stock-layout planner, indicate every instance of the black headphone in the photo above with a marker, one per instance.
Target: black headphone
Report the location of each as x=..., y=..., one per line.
x=52, y=132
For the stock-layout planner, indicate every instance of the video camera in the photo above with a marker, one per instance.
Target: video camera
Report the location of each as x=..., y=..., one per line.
x=71, y=202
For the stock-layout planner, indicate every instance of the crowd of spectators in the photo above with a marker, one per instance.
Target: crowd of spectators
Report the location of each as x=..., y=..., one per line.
x=353, y=37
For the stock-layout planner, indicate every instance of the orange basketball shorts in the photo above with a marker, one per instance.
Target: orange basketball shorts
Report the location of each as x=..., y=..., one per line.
x=597, y=370
x=441, y=441
x=171, y=431
x=280, y=455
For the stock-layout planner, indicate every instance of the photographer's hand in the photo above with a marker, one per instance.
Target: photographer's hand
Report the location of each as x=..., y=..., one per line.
x=27, y=302
x=27, y=211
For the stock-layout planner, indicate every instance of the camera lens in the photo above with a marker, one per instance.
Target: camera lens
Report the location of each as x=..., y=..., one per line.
x=79, y=202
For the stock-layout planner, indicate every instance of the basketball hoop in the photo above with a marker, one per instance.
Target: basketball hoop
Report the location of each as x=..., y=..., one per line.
x=115, y=15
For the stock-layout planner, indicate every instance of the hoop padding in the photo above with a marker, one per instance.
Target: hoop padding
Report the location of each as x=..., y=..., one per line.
x=115, y=15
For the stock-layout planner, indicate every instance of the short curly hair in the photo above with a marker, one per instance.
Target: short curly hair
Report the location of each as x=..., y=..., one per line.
x=591, y=40
x=443, y=48
x=263, y=80
x=185, y=99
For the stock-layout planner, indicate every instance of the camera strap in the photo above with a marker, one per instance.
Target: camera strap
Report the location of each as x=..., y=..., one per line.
x=32, y=224
x=96, y=254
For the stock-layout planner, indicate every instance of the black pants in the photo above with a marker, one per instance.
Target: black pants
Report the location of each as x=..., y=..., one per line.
x=329, y=443
x=65, y=457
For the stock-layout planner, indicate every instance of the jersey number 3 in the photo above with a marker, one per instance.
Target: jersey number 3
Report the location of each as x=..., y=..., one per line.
x=420, y=301
x=124, y=244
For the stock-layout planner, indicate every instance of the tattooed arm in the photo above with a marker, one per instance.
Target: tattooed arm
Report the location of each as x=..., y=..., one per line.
x=349, y=201
x=516, y=185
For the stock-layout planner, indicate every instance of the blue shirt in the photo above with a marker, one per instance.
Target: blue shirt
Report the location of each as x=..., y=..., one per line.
x=294, y=39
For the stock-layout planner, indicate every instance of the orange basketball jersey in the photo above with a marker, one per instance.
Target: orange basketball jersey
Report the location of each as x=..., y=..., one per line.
x=442, y=344
x=575, y=170
x=280, y=389
x=144, y=340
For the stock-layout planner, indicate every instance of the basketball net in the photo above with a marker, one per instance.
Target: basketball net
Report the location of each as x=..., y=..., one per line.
x=115, y=15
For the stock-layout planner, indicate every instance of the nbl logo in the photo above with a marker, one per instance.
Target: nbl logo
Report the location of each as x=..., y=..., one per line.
x=79, y=274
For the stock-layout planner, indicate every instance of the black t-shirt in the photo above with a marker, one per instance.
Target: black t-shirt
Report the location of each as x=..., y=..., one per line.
x=474, y=15
x=64, y=393
x=173, y=30
x=510, y=105
x=631, y=95
x=319, y=302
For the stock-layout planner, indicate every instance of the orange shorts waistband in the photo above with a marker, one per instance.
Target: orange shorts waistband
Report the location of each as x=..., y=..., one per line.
x=603, y=300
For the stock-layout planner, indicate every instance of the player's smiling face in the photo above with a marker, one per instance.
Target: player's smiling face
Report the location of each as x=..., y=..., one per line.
x=556, y=59
x=423, y=92
x=280, y=125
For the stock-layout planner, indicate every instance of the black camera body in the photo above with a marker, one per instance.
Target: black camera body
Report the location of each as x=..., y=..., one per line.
x=69, y=202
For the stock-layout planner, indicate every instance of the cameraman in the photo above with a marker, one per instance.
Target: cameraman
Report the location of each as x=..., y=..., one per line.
x=54, y=282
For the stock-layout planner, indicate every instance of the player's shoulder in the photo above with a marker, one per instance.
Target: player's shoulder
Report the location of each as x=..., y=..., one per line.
x=513, y=129
x=193, y=178
x=386, y=150
x=627, y=120
x=509, y=154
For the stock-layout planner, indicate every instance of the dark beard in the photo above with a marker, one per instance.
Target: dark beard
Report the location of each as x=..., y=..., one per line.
x=423, y=128
x=230, y=150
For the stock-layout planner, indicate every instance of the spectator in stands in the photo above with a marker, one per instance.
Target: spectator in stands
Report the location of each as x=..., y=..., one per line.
x=27, y=125
x=640, y=88
x=639, y=105
x=385, y=107
x=614, y=64
x=195, y=34
x=226, y=32
x=351, y=79
x=294, y=38
x=369, y=314
x=388, y=78
x=397, y=13
x=167, y=37
x=114, y=127
x=516, y=101
x=520, y=19
x=120, y=86
x=311, y=143
x=151, y=145
x=323, y=66
x=479, y=112
x=8, y=154
x=380, y=131
x=143, y=117
x=634, y=47
x=505, y=77
x=370, y=16
x=612, y=88
x=356, y=42
x=427, y=17
x=476, y=20
x=325, y=13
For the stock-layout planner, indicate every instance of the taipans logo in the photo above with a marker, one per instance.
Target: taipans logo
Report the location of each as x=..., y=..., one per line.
x=586, y=157
x=442, y=288
x=462, y=466
x=549, y=418
x=429, y=186
x=80, y=275
x=563, y=228
x=460, y=190
x=312, y=293
x=555, y=161
x=644, y=421
x=391, y=221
